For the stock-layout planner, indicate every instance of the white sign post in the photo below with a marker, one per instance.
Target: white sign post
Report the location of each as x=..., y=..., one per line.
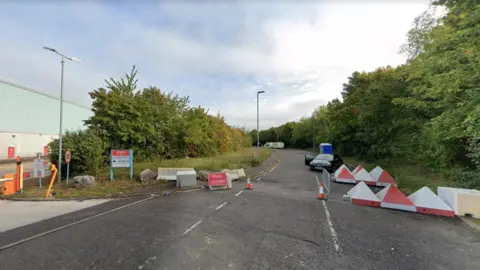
x=39, y=170
x=121, y=159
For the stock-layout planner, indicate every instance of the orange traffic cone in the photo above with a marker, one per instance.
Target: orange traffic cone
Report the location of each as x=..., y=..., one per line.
x=321, y=193
x=249, y=184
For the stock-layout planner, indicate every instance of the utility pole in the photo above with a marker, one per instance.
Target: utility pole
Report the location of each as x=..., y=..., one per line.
x=258, y=118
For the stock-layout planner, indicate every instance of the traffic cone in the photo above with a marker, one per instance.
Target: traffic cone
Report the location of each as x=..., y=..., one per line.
x=321, y=193
x=249, y=184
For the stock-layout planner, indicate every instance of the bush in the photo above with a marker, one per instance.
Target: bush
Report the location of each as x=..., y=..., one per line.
x=89, y=152
x=154, y=124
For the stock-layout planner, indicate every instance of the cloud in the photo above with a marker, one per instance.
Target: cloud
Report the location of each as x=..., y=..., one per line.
x=217, y=53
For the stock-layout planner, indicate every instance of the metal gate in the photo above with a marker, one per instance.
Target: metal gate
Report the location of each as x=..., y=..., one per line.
x=326, y=178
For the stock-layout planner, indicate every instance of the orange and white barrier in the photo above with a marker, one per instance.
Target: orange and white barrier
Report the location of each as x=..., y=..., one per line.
x=382, y=177
x=391, y=197
x=364, y=176
x=343, y=175
x=357, y=169
x=361, y=194
x=428, y=202
x=423, y=201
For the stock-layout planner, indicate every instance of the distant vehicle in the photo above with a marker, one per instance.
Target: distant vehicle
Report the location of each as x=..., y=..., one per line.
x=276, y=145
x=327, y=162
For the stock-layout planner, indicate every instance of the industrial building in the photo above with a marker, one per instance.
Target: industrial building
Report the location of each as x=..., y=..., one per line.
x=29, y=120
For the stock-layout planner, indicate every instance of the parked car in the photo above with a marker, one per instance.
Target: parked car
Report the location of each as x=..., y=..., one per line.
x=309, y=157
x=327, y=162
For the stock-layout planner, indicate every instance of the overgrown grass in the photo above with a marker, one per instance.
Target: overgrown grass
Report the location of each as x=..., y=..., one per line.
x=409, y=177
x=245, y=158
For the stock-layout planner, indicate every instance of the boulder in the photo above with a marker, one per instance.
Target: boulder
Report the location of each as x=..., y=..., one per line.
x=147, y=176
x=83, y=181
x=202, y=175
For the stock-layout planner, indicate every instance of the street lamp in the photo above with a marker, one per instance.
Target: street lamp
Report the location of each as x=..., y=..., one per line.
x=61, y=109
x=258, y=123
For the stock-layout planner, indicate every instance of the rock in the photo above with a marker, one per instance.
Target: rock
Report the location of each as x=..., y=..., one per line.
x=83, y=181
x=202, y=175
x=147, y=176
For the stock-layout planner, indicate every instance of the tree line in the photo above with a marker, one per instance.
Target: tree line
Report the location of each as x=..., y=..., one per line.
x=425, y=112
x=155, y=124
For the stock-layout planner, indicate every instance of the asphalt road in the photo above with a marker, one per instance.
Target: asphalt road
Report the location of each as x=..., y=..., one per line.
x=278, y=225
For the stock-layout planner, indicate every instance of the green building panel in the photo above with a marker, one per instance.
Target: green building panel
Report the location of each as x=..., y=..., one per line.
x=25, y=110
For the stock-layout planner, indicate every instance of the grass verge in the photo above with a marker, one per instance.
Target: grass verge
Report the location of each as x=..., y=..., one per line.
x=104, y=188
x=245, y=158
x=476, y=221
x=410, y=178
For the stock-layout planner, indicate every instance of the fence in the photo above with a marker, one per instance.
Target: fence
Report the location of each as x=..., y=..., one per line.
x=326, y=178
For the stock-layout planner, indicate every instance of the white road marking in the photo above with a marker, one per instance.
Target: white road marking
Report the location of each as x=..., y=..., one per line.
x=259, y=179
x=146, y=262
x=329, y=220
x=240, y=192
x=74, y=223
x=221, y=205
x=191, y=228
x=318, y=182
x=332, y=230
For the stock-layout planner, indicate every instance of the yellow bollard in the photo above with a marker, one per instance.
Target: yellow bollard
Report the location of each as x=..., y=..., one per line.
x=21, y=178
x=54, y=174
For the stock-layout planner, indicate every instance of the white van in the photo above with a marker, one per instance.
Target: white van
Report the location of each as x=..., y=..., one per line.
x=276, y=145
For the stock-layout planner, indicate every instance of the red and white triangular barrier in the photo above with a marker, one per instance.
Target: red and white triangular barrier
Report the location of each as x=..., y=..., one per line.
x=375, y=173
x=391, y=197
x=382, y=177
x=357, y=169
x=363, y=175
x=361, y=194
x=428, y=202
x=337, y=172
x=343, y=175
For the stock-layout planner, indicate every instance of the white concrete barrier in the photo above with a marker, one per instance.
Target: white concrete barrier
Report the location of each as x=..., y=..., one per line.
x=235, y=174
x=186, y=178
x=170, y=174
x=462, y=201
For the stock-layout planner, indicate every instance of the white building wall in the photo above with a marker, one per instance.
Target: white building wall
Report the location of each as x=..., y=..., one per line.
x=25, y=144
x=29, y=120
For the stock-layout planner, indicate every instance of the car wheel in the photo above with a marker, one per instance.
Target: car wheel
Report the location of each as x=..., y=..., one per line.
x=312, y=168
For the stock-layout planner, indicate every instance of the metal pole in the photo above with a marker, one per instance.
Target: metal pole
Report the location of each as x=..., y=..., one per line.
x=258, y=131
x=61, y=126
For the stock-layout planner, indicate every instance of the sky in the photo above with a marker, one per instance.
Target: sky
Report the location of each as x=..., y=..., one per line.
x=219, y=53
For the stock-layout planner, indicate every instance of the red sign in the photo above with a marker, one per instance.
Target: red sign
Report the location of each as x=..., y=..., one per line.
x=68, y=156
x=217, y=179
x=121, y=153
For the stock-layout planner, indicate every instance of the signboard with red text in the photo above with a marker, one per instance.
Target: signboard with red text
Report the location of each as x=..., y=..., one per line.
x=121, y=159
x=218, y=179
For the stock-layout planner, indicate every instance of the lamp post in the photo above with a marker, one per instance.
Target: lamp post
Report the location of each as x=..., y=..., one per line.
x=61, y=109
x=258, y=121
